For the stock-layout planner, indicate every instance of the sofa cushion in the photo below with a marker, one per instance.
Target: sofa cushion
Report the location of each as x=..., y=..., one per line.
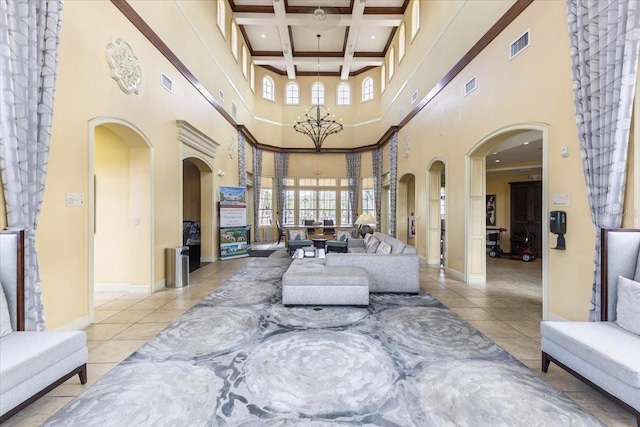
x=372, y=245
x=598, y=344
x=628, y=308
x=384, y=248
x=343, y=234
x=5, y=317
x=37, y=351
x=297, y=234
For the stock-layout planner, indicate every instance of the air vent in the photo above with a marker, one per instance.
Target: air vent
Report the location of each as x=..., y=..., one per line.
x=414, y=97
x=401, y=113
x=221, y=94
x=166, y=82
x=470, y=86
x=520, y=44
x=234, y=111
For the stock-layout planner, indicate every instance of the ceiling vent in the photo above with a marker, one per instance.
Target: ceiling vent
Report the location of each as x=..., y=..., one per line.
x=470, y=86
x=234, y=111
x=520, y=44
x=414, y=97
x=166, y=82
x=221, y=94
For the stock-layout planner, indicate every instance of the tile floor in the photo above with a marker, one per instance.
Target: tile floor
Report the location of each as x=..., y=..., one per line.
x=507, y=309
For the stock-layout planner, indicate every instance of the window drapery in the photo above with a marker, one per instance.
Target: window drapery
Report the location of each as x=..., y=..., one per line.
x=242, y=160
x=604, y=58
x=393, y=186
x=282, y=168
x=257, y=174
x=29, y=41
x=353, y=179
x=377, y=184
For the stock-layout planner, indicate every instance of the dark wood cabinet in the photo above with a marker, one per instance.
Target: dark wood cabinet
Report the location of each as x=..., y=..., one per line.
x=526, y=211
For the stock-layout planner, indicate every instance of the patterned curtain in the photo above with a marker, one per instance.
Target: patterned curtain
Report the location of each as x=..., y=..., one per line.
x=29, y=40
x=393, y=177
x=353, y=179
x=257, y=175
x=282, y=168
x=377, y=184
x=242, y=160
x=604, y=57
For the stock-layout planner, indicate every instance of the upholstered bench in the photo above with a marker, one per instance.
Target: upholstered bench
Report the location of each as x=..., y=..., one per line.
x=310, y=282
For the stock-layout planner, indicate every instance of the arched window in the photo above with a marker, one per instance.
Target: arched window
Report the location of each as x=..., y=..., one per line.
x=267, y=88
x=392, y=54
x=252, y=78
x=234, y=40
x=343, y=97
x=401, y=42
x=245, y=61
x=383, y=78
x=292, y=94
x=317, y=94
x=220, y=18
x=415, y=18
x=367, y=89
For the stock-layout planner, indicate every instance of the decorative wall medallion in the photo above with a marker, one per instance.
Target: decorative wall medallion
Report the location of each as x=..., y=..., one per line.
x=124, y=66
x=406, y=146
x=232, y=147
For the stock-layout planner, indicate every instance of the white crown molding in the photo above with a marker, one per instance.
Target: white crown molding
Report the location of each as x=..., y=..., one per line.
x=192, y=137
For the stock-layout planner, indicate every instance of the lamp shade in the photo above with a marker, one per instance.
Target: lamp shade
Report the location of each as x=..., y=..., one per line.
x=366, y=219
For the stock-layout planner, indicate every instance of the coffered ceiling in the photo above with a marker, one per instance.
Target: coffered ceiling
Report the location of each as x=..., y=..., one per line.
x=281, y=35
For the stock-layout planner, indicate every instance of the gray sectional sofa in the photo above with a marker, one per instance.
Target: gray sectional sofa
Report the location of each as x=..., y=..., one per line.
x=604, y=354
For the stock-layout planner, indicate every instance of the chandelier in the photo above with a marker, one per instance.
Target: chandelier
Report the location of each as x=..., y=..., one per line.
x=317, y=123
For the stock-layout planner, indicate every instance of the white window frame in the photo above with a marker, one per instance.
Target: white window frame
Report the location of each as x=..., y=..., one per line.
x=367, y=92
x=268, y=88
x=392, y=64
x=252, y=78
x=340, y=99
x=383, y=78
x=289, y=99
x=319, y=99
x=234, y=40
x=245, y=60
x=415, y=18
x=221, y=17
x=402, y=42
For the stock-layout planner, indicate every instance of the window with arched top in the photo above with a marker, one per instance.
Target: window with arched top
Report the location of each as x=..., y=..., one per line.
x=415, y=18
x=317, y=94
x=367, y=89
x=220, y=17
x=252, y=78
x=245, y=60
x=392, y=54
x=401, y=42
x=268, y=88
x=383, y=78
x=234, y=40
x=343, y=95
x=292, y=94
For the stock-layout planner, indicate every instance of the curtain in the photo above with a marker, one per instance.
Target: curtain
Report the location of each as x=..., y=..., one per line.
x=377, y=184
x=604, y=57
x=393, y=176
x=242, y=160
x=29, y=40
x=282, y=168
x=353, y=179
x=257, y=174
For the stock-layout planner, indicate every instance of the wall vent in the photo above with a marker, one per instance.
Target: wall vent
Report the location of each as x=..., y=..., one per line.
x=401, y=113
x=520, y=44
x=221, y=94
x=414, y=97
x=234, y=111
x=470, y=86
x=166, y=82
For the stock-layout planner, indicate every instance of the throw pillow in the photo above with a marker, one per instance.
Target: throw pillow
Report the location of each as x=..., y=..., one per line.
x=344, y=234
x=384, y=248
x=628, y=308
x=297, y=234
x=367, y=237
x=372, y=246
x=5, y=317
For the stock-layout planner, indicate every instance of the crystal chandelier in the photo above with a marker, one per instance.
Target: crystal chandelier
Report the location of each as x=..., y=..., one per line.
x=318, y=123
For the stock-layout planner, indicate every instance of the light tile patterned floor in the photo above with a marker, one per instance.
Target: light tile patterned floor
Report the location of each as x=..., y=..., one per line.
x=508, y=309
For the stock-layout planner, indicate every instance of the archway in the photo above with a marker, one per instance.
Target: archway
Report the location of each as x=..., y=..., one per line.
x=436, y=235
x=197, y=206
x=120, y=209
x=476, y=206
x=406, y=207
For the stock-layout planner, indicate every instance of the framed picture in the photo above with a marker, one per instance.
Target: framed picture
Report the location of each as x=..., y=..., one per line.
x=491, y=209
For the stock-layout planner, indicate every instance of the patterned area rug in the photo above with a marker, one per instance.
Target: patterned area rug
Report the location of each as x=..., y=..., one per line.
x=239, y=358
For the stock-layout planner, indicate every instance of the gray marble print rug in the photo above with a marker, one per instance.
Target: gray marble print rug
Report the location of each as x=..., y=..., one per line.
x=239, y=358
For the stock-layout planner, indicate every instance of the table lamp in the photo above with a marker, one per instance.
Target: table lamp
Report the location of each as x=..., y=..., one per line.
x=365, y=223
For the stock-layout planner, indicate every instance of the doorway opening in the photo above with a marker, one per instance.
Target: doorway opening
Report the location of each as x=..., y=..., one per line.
x=197, y=211
x=406, y=208
x=436, y=234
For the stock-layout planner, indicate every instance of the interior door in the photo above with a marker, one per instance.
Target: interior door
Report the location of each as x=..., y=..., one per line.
x=526, y=211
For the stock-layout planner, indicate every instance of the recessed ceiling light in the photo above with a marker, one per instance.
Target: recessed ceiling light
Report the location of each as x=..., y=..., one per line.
x=495, y=153
x=264, y=36
x=373, y=37
x=527, y=143
x=497, y=160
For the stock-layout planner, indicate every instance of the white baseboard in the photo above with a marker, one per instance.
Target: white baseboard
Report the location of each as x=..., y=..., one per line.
x=159, y=285
x=76, y=325
x=455, y=274
x=121, y=287
x=556, y=318
x=206, y=259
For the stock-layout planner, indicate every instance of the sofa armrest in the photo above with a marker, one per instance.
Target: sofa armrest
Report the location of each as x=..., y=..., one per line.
x=355, y=242
x=387, y=273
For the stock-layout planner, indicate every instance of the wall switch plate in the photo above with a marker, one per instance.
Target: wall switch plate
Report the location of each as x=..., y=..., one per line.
x=75, y=200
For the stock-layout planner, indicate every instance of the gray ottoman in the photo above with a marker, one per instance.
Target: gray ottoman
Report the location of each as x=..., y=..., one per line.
x=310, y=282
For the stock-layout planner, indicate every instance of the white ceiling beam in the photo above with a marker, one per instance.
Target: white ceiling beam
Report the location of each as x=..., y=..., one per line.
x=311, y=62
x=285, y=40
x=306, y=20
x=352, y=38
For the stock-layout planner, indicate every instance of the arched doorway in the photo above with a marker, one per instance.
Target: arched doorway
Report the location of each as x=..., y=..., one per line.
x=436, y=233
x=476, y=205
x=197, y=206
x=406, y=207
x=120, y=209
